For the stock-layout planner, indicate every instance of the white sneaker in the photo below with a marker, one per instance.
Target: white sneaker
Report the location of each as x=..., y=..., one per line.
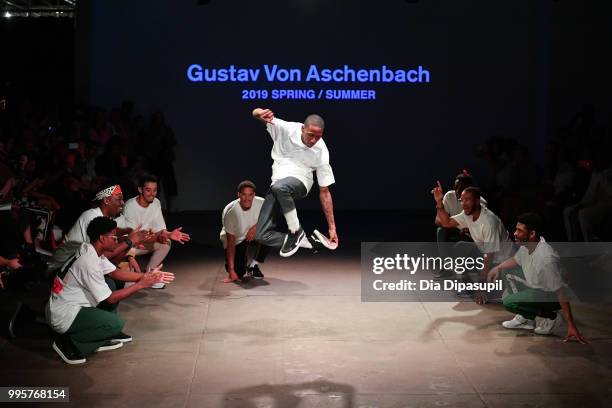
x=546, y=326
x=325, y=241
x=158, y=285
x=519, y=322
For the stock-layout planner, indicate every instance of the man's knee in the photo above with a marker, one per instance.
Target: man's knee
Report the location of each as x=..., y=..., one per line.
x=115, y=323
x=279, y=188
x=163, y=248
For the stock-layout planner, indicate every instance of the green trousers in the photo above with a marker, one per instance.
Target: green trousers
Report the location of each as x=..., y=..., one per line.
x=528, y=302
x=92, y=328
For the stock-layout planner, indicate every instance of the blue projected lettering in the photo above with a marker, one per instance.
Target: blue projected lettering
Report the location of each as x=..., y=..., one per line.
x=309, y=94
x=332, y=78
x=274, y=73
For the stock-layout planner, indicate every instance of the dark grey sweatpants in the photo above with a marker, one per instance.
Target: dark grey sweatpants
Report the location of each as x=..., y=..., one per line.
x=280, y=199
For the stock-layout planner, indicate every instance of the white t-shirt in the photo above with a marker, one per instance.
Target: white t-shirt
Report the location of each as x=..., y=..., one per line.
x=488, y=232
x=452, y=205
x=150, y=217
x=292, y=158
x=541, y=268
x=77, y=235
x=83, y=286
x=237, y=221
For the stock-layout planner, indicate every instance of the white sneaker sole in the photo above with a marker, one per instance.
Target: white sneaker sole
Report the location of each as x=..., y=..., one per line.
x=59, y=352
x=158, y=286
x=114, y=346
x=325, y=241
x=123, y=340
x=519, y=327
x=294, y=250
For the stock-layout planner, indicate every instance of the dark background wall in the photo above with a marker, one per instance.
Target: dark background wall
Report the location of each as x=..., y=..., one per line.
x=385, y=153
x=515, y=69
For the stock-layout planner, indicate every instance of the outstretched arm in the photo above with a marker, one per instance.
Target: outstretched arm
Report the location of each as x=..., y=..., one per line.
x=441, y=214
x=328, y=209
x=175, y=235
x=146, y=280
x=230, y=255
x=572, y=330
x=263, y=115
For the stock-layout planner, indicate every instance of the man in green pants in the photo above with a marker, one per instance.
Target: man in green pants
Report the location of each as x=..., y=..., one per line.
x=534, y=284
x=82, y=308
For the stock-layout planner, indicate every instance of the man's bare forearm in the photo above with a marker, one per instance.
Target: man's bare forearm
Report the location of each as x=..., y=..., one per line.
x=328, y=207
x=443, y=218
x=118, y=254
x=125, y=275
x=565, y=306
x=230, y=252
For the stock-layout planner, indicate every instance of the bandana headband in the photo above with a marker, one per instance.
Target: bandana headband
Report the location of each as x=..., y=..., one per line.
x=107, y=192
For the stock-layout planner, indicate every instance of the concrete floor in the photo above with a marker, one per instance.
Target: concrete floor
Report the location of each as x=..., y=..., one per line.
x=303, y=338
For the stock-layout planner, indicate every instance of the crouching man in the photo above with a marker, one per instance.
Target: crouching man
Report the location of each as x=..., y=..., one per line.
x=82, y=308
x=536, y=289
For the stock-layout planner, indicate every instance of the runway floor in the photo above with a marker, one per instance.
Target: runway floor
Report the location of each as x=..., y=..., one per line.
x=302, y=338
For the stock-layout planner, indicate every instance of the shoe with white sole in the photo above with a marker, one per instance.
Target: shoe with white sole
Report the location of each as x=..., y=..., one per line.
x=122, y=337
x=519, y=322
x=292, y=242
x=546, y=326
x=158, y=285
x=110, y=345
x=67, y=351
x=326, y=242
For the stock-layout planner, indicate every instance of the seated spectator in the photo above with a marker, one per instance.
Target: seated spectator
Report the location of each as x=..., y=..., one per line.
x=9, y=265
x=486, y=229
x=239, y=219
x=82, y=308
x=537, y=288
x=145, y=211
x=594, y=207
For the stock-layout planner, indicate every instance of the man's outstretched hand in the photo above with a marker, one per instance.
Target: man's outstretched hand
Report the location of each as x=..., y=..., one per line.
x=265, y=115
x=233, y=277
x=179, y=236
x=573, y=333
x=438, y=192
x=333, y=236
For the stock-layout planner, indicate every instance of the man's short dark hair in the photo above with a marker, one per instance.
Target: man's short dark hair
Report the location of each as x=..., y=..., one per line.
x=100, y=226
x=532, y=221
x=474, y=190
x=246, y=184
x=146, y=178
x=314, y=120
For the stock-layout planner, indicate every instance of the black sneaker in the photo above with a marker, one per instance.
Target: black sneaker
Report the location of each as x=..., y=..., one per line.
x=122, y=337
x=315, y=243
x=67, y=351
x=255, y=272
x=292, y=243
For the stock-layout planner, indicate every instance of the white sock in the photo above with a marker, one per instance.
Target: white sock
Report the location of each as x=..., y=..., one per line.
x=253, y=263
x=292, y=221
x=305, y=244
